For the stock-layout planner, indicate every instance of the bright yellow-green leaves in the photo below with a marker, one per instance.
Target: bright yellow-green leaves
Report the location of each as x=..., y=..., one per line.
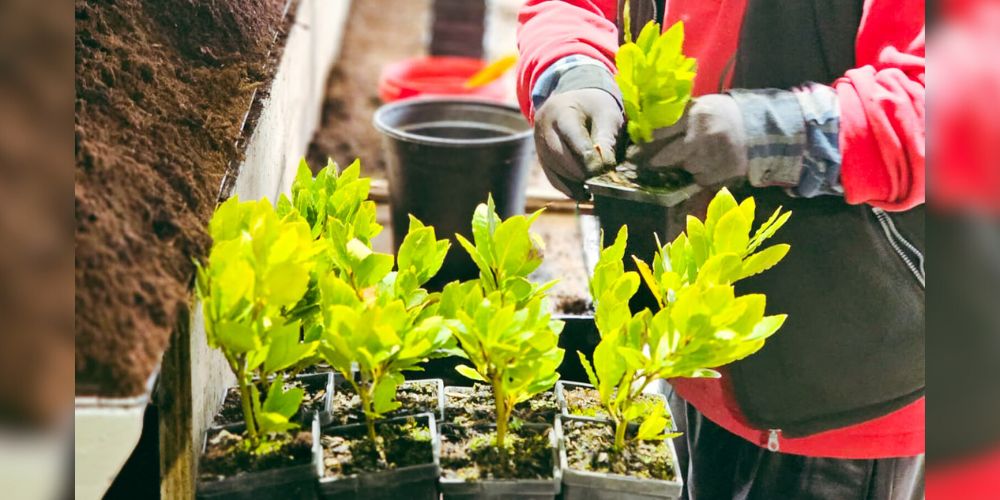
x=258, y=269
x=700, y=323
x=655, y=78
x=502, y=320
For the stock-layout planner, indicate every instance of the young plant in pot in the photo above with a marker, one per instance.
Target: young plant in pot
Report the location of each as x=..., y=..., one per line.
x=376, y=323
x=258, y=267
x=700, y=324
x=506, y=333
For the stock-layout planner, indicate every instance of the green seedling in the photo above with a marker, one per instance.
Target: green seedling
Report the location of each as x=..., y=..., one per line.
x=258, y=268
x=502, y=320
x=700, y=323
x=655, y=78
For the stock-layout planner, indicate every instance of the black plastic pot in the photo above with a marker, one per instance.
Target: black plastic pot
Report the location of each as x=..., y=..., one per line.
x=579, y=334
x=588, y=485
x=507, y=489
x=288, y=482
x=327, y=379
x=647, y=215
x=445, y=156
x=417, y=482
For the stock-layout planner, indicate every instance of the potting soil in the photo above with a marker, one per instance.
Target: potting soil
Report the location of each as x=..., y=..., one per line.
x=225, y=455
x=468, y=452
x=161, y=92
x=349, y=451
x=232, y=406
x=413, y=399
x=590, y=447
x=478, y=406
x=586, y=402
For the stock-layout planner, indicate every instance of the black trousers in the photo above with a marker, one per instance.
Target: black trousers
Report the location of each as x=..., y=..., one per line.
x=718, y=465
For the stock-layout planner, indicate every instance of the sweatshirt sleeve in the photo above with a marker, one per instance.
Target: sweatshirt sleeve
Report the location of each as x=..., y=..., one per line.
x=882, y=108
x=549, y=30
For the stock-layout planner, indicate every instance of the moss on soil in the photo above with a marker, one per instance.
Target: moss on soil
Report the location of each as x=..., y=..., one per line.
x=467, y=452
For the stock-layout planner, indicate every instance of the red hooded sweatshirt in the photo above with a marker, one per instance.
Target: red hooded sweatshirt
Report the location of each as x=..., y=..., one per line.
x=881, y=142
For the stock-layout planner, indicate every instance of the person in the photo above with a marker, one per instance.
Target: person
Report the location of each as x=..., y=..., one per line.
x=816, y=106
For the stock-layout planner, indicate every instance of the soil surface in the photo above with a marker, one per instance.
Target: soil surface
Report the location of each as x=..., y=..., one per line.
x=467, y=452
x=586, y=402
x=589, y=447
x=161, y=92
x=466, y=406
x=576, y=306
x=225, y=456
x=347, y=451
x=415, y=397
x=312, y=402
x=381, y=32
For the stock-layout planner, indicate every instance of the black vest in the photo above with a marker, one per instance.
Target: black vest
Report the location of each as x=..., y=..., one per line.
x=852, y=348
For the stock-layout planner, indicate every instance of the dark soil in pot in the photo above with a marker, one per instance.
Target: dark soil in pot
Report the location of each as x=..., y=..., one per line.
x=574, y=306
x=313, y=401
x=467, y=452
x=586, y=402
x=418, y=396
x=465, y=405
x=589, y=447
x=349, y=451
x=226, y=457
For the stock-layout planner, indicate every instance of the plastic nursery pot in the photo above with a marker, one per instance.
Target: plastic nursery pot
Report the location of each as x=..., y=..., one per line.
x=453, y=488
x=410, y=406
x=563, y=385
x=541, y=408
x=579, y=334
x=590, y=485
x=415, y=482
x=445, y=156
x=436, y=76
x=647, y=214
x=313, y=382
x=298, y=481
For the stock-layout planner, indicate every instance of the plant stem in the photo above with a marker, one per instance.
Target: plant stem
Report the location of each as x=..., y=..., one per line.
x=620, y=427
x=500, y=401
x=245, y=401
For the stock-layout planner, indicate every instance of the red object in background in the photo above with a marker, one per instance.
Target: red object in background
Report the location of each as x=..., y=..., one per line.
x=438, y=76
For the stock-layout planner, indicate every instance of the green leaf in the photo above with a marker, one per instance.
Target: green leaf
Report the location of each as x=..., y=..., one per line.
x=591, y=376
x=764, y=260
x=281, y=402
x=469, y=373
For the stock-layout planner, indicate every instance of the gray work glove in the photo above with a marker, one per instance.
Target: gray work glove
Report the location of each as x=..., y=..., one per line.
x=577, y=129
x=709, y=142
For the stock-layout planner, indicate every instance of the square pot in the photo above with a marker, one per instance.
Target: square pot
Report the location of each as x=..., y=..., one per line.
x=562, y=385
x=589, y=485
x=520, y=411
x=417, y=482
x=325, y=379
x=402, y=411
x=504, y=489
x=298, y=481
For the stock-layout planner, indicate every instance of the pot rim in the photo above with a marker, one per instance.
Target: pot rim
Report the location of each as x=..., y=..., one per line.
x=569, y=473
x=378, y=120
x=435, y=448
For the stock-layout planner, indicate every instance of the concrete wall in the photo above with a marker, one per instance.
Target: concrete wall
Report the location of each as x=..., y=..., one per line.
x=288, y=119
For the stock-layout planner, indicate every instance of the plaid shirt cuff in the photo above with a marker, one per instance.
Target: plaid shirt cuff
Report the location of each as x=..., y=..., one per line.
x=792, y=138
x=571, y=73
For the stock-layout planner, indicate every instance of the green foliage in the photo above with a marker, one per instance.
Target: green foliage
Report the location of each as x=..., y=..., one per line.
x=259, y=267
x=700, y=323
x=655, y=78
x=502, y=320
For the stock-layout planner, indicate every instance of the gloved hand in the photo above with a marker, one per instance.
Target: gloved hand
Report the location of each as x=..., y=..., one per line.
x=577, y=129
x=709, y=141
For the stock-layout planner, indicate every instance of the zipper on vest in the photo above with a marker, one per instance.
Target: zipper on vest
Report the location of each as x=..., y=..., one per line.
x=772, y=439
x=911, y=257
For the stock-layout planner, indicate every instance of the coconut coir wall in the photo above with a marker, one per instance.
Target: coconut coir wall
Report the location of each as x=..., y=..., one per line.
x=161, y=90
